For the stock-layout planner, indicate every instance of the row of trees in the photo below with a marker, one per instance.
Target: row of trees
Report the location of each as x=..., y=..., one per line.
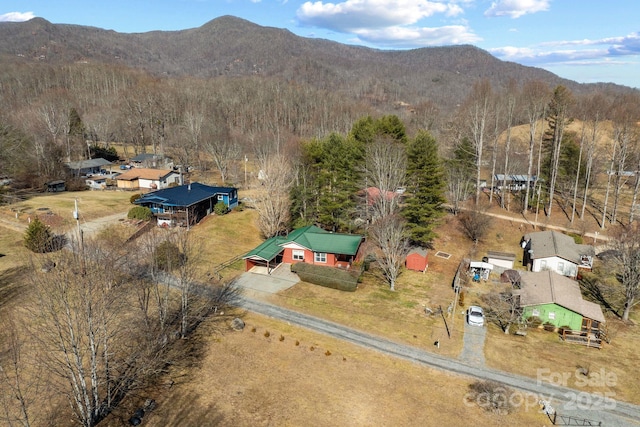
x=564, y=160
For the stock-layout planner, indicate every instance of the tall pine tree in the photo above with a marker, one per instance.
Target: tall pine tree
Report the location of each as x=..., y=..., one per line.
x=425, y=188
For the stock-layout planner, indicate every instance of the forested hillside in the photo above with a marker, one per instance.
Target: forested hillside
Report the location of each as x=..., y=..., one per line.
x=212, y=95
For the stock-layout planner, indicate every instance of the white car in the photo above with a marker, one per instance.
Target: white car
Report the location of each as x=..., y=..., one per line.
x=475, y=316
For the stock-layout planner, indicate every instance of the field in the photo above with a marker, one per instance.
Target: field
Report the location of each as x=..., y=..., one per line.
x=250, y=379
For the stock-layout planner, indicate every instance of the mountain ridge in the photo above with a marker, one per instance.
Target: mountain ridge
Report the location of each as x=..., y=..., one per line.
x=232, y=46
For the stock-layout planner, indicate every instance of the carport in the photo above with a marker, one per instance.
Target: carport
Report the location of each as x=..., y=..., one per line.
x=268, y=254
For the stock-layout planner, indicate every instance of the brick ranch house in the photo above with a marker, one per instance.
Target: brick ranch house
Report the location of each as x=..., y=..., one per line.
x=309, y=244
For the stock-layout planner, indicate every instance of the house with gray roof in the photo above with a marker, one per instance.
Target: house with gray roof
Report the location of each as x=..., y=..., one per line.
x=555, y=251
x=557, y=300
x=309, y=244
x=88, y=167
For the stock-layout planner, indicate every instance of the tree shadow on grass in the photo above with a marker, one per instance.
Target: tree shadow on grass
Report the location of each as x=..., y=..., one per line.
x=11, y=284
x=605, y=295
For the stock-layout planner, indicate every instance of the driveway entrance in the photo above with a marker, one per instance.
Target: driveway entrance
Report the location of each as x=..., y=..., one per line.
x=258, y=282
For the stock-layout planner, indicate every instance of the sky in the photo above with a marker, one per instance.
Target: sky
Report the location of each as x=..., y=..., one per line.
x=583, y=40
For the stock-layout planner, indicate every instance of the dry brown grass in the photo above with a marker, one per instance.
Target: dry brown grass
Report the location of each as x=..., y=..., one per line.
x=56, y=209
x=247, y=379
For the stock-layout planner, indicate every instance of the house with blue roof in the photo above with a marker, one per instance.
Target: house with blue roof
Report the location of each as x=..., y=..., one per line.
x=186, y=205
x=309, y=244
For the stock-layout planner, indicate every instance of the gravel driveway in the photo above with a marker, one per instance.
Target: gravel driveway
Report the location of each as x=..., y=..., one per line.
x=473, y=344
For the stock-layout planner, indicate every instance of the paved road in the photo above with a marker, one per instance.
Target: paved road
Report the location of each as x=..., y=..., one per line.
x=565, y=400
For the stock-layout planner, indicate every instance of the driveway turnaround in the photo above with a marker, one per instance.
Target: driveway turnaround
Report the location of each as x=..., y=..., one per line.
x=566, y=401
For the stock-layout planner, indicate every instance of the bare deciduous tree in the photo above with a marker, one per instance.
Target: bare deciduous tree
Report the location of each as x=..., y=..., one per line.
x=76, y=317
x=223, y=152
x=475, y=223
x=625, y=242
x=386, y=167
x=478, y=112
x=388, y=233
x=273, y=200
x=17, y=393
x=502, y=308
x=535, y=97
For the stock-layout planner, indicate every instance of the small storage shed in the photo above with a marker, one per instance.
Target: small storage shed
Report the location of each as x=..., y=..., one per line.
x=417, y=260
x=501, y=259
x=55, y=186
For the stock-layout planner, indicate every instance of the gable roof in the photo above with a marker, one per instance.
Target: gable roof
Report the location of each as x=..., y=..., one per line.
x=418, y=251
x=183, y=195
x=548, y=287
x=310, y=237
x=318, y=240
x=266, y=251
x=144, y=173
x=546, y=244
x=147, y=156
x=85, y=164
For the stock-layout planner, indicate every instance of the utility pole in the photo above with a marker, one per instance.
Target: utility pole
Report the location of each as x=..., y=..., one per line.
x=76, y=215
x=246, y=159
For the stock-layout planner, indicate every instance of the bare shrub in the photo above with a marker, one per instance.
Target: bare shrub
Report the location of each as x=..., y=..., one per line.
x=492, y=397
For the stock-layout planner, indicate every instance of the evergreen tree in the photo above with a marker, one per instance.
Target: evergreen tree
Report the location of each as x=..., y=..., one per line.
x=339, y=178
x=425, y=188
x=38, y=237
x=326, y=183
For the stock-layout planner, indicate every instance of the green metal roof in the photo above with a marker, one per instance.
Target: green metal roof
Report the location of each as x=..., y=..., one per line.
x=267, y=250
x=311, y=237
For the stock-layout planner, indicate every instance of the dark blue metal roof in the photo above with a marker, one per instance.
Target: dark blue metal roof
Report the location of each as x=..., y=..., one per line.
x=183, y=195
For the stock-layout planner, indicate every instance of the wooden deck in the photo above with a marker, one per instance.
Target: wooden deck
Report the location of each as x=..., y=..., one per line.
x=582, y=338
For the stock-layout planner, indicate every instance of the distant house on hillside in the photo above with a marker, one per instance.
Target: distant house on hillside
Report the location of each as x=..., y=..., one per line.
x=150, y=160
x=555, y=251
x=151, y=179
x=186, y=205
x=88, y=167
x=514, y=182
x=309, y=244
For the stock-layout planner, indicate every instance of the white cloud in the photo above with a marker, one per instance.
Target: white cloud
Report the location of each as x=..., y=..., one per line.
x=389, y=23
x=530, y=56
x=403, y=37
x=573, y=51
x=16, y=16
x=516, y=8
x=351, y=15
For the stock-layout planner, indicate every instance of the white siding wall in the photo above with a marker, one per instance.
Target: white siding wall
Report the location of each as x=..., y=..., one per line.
x=559, y=265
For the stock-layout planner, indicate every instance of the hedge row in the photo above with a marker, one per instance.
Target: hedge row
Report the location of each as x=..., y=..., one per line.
x=329, y=277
